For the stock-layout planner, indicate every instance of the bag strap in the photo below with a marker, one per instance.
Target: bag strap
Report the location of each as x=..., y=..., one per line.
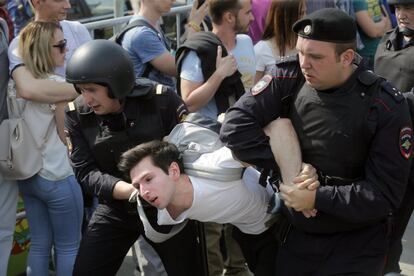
x=141, y=23
x=150, y=232
x=16, y=110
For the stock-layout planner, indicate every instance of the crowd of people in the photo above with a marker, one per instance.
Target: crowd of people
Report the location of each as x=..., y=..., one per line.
x=313, y=101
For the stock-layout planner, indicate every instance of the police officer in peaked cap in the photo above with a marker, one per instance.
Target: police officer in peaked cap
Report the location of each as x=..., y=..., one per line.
x=353, y=127
x=114, y=113
x=394, y=61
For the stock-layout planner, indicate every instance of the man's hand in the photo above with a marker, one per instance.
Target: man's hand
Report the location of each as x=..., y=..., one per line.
x=225, y=66
x=307, y=178
x=197, y=15
x=298, y=199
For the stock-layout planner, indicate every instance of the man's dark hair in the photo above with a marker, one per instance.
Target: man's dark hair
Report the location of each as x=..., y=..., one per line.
x=219, y=7
x=161, y=153
x=342, y=47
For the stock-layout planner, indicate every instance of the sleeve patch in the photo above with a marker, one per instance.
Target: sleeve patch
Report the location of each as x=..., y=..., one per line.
x=405, y=142
x=261, y=85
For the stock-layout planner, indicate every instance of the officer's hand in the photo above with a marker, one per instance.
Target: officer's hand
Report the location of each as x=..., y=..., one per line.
x=298, y=199
x=225, y=66
x=307, y=178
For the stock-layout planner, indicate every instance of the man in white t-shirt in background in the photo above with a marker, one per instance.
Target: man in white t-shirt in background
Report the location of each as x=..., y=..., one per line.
x=231, y=20
x=43, y=90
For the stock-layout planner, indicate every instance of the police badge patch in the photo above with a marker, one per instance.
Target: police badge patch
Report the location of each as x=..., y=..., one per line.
x=261, y=85
x=406, y=135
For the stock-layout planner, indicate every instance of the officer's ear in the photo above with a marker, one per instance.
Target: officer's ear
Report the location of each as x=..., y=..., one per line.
x=347, y=57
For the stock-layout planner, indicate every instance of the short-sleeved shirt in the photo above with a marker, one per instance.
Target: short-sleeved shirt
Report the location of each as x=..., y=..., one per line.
x=143, y=45
x=244, y=55
x=74, y=32
x=266, y=57
x=374, y=11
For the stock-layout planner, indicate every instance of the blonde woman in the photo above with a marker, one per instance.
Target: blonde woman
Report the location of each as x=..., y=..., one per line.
x=278, y=38
x=52, y=197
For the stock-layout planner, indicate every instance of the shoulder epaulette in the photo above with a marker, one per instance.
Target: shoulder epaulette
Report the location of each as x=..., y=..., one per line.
x=287, y=60
x=393, y=92
x=71, y=106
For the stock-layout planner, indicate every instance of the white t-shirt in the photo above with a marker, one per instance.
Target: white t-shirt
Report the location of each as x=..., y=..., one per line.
x=242, y=203
x=74, y=32
x=40, y=119
x=266, y=57
x=244, y=55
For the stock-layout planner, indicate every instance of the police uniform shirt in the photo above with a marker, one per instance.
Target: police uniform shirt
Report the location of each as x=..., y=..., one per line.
x=93, y=179
x=388, y=156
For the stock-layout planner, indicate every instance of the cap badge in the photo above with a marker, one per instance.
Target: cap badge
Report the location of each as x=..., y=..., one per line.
x=307, y=30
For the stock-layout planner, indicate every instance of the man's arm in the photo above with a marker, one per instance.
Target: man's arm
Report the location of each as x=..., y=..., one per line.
x=86, y=170
x=242, y=129
x=197, y=94
x=165, y=63
x=41, y=90
x=148, y=46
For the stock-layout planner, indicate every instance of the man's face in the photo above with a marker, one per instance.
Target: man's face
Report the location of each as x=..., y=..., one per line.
x=96, y=97
x=161, y=6
x=244, y=17
x=319, y=63
x=154, y=185
x=51, y=9
x=405, y=16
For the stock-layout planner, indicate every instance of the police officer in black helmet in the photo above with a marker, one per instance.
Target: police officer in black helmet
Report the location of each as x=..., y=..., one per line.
x=353, y=127
x=115, y=113
x=394, y=60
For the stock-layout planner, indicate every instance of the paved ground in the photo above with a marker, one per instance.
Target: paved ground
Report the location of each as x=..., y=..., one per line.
x=406, y=262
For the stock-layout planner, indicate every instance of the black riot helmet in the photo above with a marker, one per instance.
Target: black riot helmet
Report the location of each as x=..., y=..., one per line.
x=103, y=62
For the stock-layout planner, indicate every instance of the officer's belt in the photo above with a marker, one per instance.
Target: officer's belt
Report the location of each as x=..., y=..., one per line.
x=330, y=180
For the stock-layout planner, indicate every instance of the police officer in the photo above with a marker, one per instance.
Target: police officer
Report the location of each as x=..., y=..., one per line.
x=396, y=49
x=394, y=61
x=115, y=113
x=353, y=127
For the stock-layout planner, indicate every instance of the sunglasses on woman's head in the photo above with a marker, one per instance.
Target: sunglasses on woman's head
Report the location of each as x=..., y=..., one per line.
x=61, y=45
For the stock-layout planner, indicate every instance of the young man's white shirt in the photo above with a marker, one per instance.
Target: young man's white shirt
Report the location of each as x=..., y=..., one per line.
x=242, y=203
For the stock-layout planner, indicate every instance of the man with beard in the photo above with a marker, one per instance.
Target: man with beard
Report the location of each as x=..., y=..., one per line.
x=210, y=82
x=396, y=51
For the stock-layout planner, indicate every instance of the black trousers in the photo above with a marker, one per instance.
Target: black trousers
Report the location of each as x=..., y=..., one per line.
x=259, y=250
x=358, y=252
x=110, y=234
x=401, y=220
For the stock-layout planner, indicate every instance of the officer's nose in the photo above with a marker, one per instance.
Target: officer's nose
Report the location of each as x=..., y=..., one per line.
x=304, y=62
x=87, y=98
